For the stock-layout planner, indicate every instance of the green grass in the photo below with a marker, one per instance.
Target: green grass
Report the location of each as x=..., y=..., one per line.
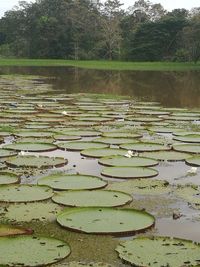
x=102, y=65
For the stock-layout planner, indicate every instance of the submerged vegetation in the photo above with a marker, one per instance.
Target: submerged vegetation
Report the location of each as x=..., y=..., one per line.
x=68, y=161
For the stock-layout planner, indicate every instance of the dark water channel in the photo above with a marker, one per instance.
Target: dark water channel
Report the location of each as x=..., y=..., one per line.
x=171, y=89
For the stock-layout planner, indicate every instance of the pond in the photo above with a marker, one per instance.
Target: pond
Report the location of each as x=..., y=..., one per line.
x=76, y=144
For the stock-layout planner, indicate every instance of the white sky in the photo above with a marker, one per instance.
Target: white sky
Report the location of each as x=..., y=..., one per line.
x=168, y=4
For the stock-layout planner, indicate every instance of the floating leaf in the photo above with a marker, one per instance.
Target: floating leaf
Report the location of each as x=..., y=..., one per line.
x=103, y=152
x=194, y=148
x=106, y=220
x=26, y=212
x=94, y=198
x=32, y=251
x=8, y=178
x=140, y=147
x=122, y=161
x=193, y=161
x=41, y=162
x=167, y=155
x=72, y=181
x=129, y=172
x=159, y=251
x=80, y=145
x=24, y=193
x=141, y=186
x=31, y=147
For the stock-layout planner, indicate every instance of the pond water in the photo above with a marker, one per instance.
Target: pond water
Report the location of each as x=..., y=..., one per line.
x=161, y=108
x=171, y=89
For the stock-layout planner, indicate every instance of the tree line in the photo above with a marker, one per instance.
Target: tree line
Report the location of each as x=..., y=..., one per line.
x=92, y=29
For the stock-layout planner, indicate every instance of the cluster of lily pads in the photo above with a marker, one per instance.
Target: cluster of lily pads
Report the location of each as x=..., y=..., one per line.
x=128, y=138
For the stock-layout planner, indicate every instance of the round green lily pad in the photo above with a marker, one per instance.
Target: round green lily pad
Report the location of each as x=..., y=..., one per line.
x=80, y=145
x=165, y=129
x=194, y=148
x=8, y=230
x=33, y=134
x=141, y=186
x=123, y=161
x=190, y=138
x=62, y=137
x=31, y=147
x=159, y=251
x=140, y=147
x=190, y=193
x=193, y=161
x=115, y=141
x=82, y=133
x=36, y=162
x=8, y=178
x=82, y=264
x=129, y=172
x=34, y=211
x=32, y=251
x=4, y=153
x=103, y=152
x=167, y=155
x=72, y=181
x=24, y=193
x=121, y=135
x=94, y=198
x=34, y=140
x=106, y=220
x=144, y=119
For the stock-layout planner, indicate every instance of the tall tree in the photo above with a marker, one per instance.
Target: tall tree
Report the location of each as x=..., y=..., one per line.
x=111, y=15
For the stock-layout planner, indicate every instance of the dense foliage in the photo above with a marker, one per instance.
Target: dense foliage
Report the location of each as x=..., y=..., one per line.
x=91, y=29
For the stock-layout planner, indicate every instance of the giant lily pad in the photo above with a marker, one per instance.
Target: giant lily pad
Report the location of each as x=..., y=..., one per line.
x=190, y=138
x=80, y=145
x=33, y=134
x=35, y=211
x=82, y=133
x=129, y=172
x=36, y=162
x=121, y=135
x=72, y=181
x=106, y=220
x=122, y=161
x=82, y=264
x=7, y=230
x=115, y=141
x=194, y=148
x=159, y=251
x=31, y=147
x=24, y=193
x=4, y=153
x=8, y=178
x=194, y=161
x=103, y=152
x=167, y=155
x=141, y=186
x=94, y=198
x=190, y=193
x=32, y=251
x=140, y=147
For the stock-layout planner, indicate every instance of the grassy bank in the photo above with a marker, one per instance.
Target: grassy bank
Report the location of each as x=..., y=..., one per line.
x=102, y=65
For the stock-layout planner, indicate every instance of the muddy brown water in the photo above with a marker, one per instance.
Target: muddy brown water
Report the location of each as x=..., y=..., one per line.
x=171, y=89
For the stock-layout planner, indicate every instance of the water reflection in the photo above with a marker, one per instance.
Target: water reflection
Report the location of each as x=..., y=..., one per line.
x=172, y=89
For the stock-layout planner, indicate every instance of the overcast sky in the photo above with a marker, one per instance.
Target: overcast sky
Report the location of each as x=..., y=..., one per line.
x=168, y=4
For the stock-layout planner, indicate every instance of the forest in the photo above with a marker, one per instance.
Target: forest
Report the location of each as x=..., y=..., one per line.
x=96, y=30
